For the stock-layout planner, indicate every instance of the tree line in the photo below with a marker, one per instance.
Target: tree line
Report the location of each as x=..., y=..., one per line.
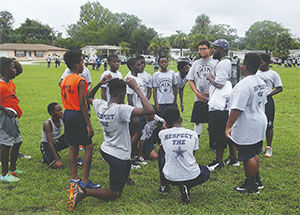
x=97, y=25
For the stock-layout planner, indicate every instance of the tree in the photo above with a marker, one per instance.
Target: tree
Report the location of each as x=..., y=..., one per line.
x=224, y=31
x=181, y=41
x=6, y=23
x=32, y=31
x=202, y=25
x=124, y=47
x=261, y=35
x=140, y=40
x=282, y=45
x=159, y=46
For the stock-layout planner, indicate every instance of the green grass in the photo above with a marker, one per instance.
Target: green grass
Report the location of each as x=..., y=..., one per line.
x=43, y=190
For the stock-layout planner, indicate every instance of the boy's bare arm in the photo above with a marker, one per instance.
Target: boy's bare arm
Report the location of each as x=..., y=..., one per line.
x=155, y=98
x=174, y=87
x=93, y=91
x=276, y=91
x=83, y=108
x=199, y=95
x=212, y=81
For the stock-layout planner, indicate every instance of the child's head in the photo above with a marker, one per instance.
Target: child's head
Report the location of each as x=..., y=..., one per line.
x=183, y=67
x=55, y=110
x=18, y=67
x=172, y=116
x=265, y=61
x=142, y=60
x=204, y=49
x=163, y=62
x=251, y=63
x=7, y=68
x=113, y=62
x=117, y=88
x=74, y=60
x=134, y=65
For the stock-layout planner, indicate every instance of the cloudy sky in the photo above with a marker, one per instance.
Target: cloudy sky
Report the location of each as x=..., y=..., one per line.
x=165, y=16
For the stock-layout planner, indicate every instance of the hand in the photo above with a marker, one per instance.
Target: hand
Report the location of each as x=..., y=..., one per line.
x=58, y=165
x=228, y=132
x=105, y=79
x=131, y=83
x=181, y=106
x=201, y=97
x=90, y=131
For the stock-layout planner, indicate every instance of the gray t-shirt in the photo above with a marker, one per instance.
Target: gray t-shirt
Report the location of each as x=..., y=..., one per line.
x=164, y=81
x=179, y=144
x=85, y=74
x=250, y=97
x=114, y=119
x=180, y=81
x=198, y=73
x=271, y=79
x=135, y=98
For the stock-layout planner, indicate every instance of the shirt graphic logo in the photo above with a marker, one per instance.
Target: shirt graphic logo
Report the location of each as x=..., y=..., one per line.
x=165, y=86
x=179, y=152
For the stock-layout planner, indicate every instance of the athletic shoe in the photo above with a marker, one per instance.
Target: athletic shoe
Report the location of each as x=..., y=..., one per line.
x=215, y=165
x=9, y=178
x=247, y=186
x=260, y=186
x=76, y=194
x=135, y=166
x=140, y=160
x=185, y=198
x=268, y=151
x=89, y=184
x=164, y=188
x=233, y=163
x=79, y=161
x=16, y=172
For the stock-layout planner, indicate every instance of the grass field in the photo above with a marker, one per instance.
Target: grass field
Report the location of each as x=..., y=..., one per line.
x=43, y=190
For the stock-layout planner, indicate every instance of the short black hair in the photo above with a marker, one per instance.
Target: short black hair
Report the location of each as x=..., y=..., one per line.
x=72, y=57
x=116, y=86
x=266, y=58
x=140, y=57
x=131, y=62
x=5, y=64
x=110, y=57
x=160, y=57
x=182, y=64
x=252, y=61
x=204, y=42
x=18, y=67
x=171, y=115
x=51, y=107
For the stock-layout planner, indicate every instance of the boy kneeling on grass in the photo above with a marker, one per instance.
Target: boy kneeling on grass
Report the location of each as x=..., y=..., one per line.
x=247, y=122
x=177, y=163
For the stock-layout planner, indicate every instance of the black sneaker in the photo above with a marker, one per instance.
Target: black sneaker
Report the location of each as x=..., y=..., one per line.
x=185, y=198
x=164, y=188
x=233, y=163
x=79, y=161
x=260, y=186
x=242, y=188
x=215, y=165
x=248, y=186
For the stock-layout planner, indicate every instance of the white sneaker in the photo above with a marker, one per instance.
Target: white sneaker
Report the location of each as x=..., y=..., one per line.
x=133, y=166
x=268, y=151
x=140, y=160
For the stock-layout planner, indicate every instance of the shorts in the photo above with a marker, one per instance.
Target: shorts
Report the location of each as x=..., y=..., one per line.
x=246, y=152
x=137, y=127
x=8, y=140
x=270, y=112
x=149, y=142
x=59, y=145
x=163, y=107
x=75, y=128
x=118, y=171
x=200, y=112
x=216, y=127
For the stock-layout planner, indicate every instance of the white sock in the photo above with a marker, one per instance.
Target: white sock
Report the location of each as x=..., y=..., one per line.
x=198, y=128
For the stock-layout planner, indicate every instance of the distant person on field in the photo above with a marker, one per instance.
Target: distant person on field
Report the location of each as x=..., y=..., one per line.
x=98, y=63
x=57, y=61
x=177, y=163
x=10, y=137
x=200, y=85
x=114, y=64
x=78, y=127
x=164, y=86
x=48, y=61
x=274, y=86
x=247, y=123
x=183, y=68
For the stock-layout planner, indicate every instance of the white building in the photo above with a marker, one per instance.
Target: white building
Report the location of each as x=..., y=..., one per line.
x=176, y=53
x=107, y=50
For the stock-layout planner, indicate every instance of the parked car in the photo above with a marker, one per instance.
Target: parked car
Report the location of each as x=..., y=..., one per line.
x=149, y=59
x=123, y=59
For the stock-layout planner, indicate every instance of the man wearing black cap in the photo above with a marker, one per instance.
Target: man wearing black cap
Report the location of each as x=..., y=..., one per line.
x=219, y=92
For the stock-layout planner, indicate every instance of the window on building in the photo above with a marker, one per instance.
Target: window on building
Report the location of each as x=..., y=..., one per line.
x=20, y=53
x=39, y=54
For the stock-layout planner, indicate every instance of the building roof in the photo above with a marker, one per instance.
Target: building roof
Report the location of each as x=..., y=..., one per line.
x=29, y=47
x=110, y=47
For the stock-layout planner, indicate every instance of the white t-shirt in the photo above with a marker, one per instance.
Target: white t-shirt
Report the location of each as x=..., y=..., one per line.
x=114, y=119
x=146, y=78
x=271, y=79
x=198, y=73
x=56, y=132
x=113, y=75
x=164, y=81
x=135, y=98
x=180, y=81
x=222, y=74
x=249, y=96
x=150, y=126
x=85, y=74
x=179, y=144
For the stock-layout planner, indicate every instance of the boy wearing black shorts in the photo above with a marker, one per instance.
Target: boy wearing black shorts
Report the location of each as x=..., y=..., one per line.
x=247, y=122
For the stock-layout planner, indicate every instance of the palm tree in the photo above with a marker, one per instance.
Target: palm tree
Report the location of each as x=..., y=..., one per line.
x=181, y=41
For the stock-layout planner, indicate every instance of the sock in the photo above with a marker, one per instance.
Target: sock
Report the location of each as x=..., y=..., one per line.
x=198, y=128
